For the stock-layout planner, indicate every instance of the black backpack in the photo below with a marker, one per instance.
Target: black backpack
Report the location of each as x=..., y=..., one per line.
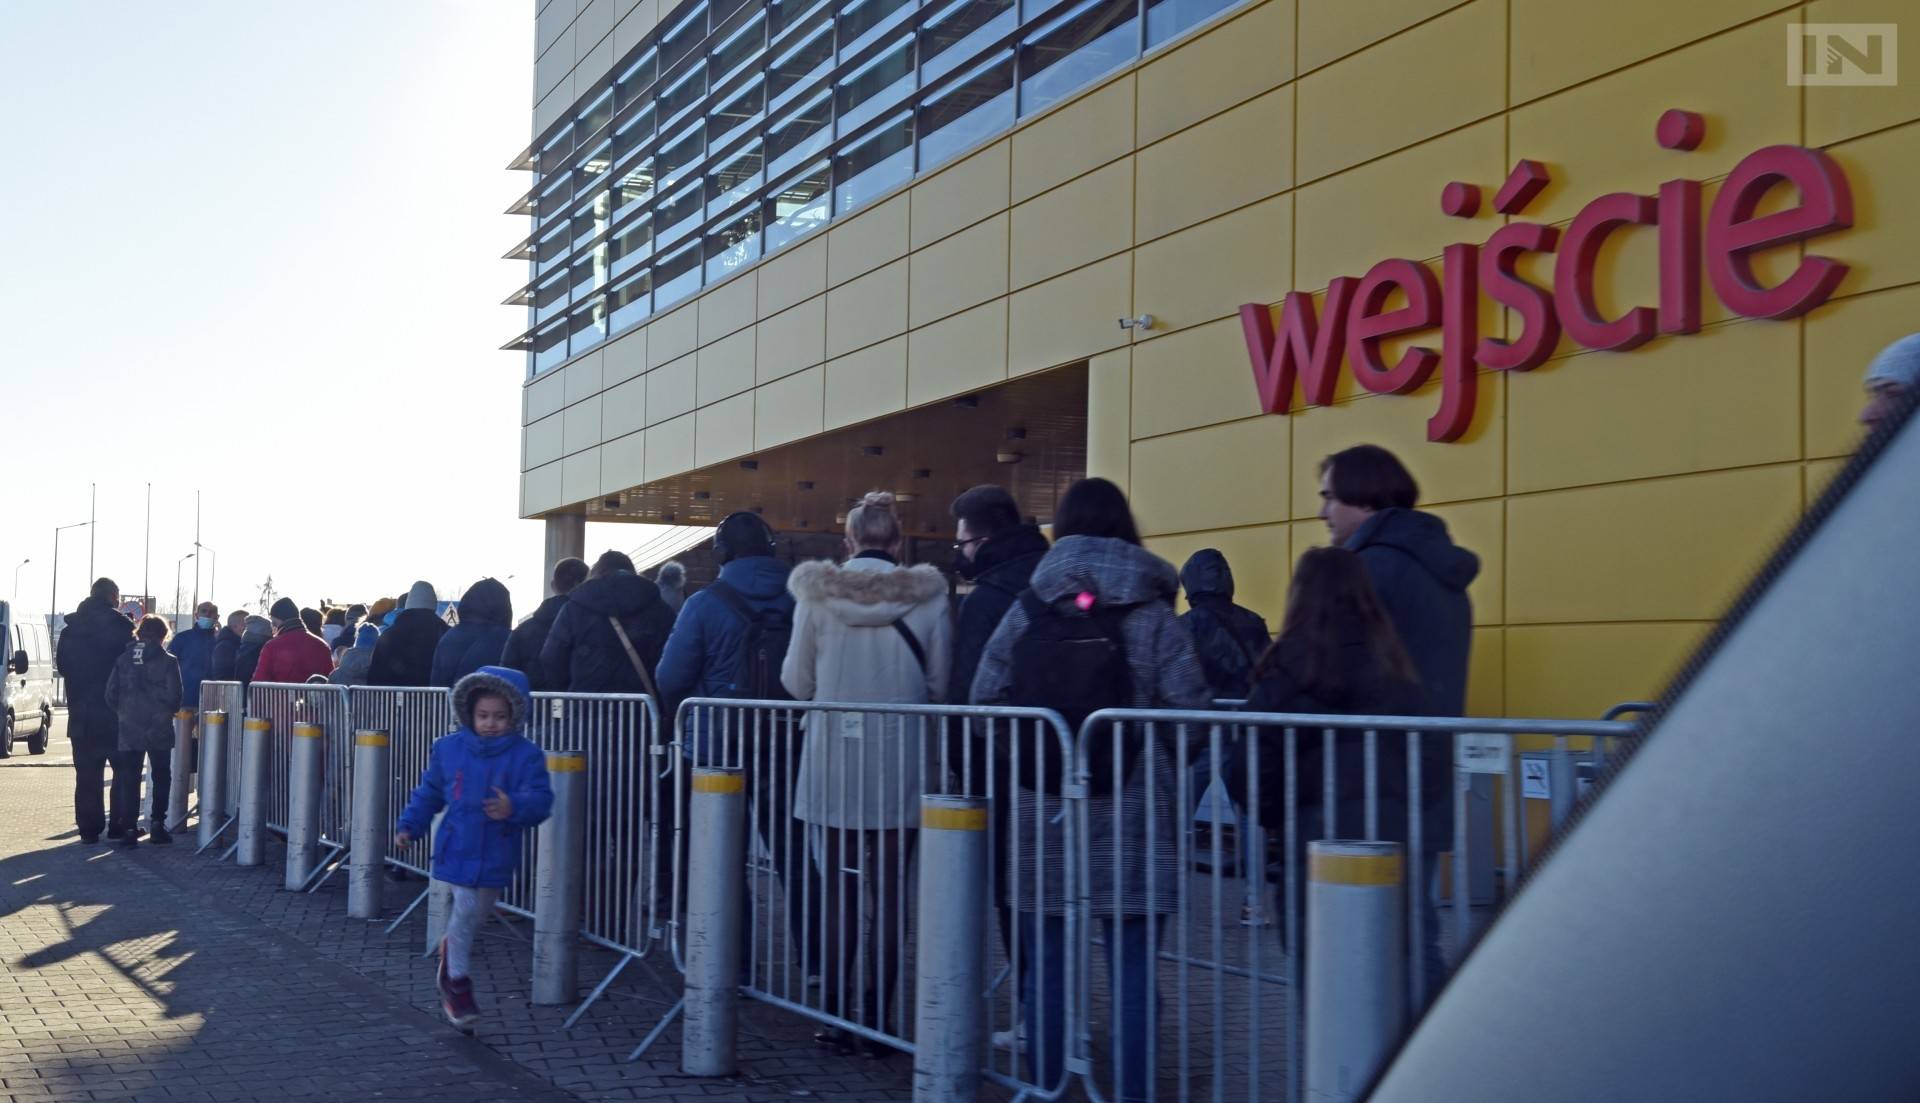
x=1074, y=663
x=763, y=646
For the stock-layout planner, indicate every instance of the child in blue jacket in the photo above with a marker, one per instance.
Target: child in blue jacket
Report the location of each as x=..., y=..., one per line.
x=493, y=783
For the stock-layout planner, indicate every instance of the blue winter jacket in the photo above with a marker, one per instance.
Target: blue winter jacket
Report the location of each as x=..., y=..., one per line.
x=194, y=649
x=463, y=770
x=480, y=639
x=705, y=644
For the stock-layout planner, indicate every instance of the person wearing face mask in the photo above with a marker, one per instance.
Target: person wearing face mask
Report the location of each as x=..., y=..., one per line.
x=193, y=649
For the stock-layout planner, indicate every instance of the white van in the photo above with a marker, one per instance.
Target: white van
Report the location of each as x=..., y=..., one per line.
x=26, y=697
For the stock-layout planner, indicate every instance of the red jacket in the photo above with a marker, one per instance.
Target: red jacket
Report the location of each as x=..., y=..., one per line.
x=294, y=656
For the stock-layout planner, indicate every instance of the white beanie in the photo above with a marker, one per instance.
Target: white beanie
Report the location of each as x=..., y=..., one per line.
x=1898, y=363
x=421, y=596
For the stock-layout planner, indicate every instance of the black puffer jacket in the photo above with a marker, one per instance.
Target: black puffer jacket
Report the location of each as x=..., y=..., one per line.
x=523, y=646
x=1421, y=576
x=94, y=637
x=1229, y=638
x=1001, y=570
x=404, y=655
x=486, y=620
x=246, y=659
x=226, y=653
x=584, y=655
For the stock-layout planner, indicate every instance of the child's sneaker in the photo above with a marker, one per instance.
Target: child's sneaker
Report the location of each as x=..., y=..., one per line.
x=459, y=1005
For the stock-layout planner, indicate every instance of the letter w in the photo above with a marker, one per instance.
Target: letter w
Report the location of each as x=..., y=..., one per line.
x=1305, y=348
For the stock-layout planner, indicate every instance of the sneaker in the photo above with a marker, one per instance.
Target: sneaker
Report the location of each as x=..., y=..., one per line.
x=89, y=840
x=459, y=1005
x=159, y=836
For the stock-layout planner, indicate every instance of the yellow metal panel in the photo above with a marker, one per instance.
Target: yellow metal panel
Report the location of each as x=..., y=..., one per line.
x=1440, y=75
x=961, y=194
x=867, y=240
x=1557, y=43
x=729, y=307
x=1728, y=396
x=792, y=339
x=672, y=336
x=623, y=463
x=580, y=476
x=868, y=384
x=1481, y=528
x=1226, y=162
x=670, y=390
x=789, y=409
x=624, y=357
x=1258, y=555
x=1072, y=225
x=1665, y=549
x=793, y=275
x=1885, y=173
x=958, y=272
x=1599, y=137
x=583, y=377
x=1582, y=670
x=669, y=448
x=1487, y=673
x=1220, y=477
x=623, y=409
x=960, y=354
x=1192, y=378
x=540, y=489
x=1069, y=318
x=1838, y=112
x=725, y=367
x=1471, y=467
x=1842, y=339
x=1229, y=64
x=545, y=395
x=542, y=442
x=1206, y=271
x=581, y=425
x=1332, y=29
x=1076, y=138
x=723, y=430
x=1109, y=406
x=1391, y=207
x=869, y=309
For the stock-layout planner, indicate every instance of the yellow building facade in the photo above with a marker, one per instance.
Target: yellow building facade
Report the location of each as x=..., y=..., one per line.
x=1618, y=499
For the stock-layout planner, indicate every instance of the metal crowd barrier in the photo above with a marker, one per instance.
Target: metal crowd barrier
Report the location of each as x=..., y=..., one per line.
x=287, y=704
x=413, y=717
x=229, y=698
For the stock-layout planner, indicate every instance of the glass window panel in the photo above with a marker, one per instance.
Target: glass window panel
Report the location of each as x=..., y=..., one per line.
x=1167, y=18
x=632, y=243
x=633, y=134
x=591, y=218
x=638, y=78
x=676, y=276
x=802, y=134
x=593, y=168
x=630, y=302
x=733, y=246
x=674, y=216
x=878, y=163
x=550, y=298
x=589, y=326
x=864, y=17
x=555, y=155
x=803, y=63
x=980, y=106
x=680, y=39
x=734, y=118
x=734, y=180
x=554, y=246
x=680, y=153
x=590, y=271
x=957, y=35
x=797, y=207
x=739, y=49
x=783, y=15
x=1081, y=46
x=875, y=86
x=634, y=187
x=558, y=197
x=595, y=115
x=550, y=346
x=684, y=94
x=725, y=8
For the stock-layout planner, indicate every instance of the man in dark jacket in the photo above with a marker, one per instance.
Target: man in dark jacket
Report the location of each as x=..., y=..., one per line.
x=1230, y=638
x=583, y=652
x=404, y=655
x=703, y=651
x=253, y=640
x=193, y=649
x=1367, y=498
x=486, y=620
x=997, y=553
x=95, y=635
x=523, y=646
x=226, y=648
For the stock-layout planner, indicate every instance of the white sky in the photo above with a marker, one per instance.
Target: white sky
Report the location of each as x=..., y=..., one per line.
x=254, y=249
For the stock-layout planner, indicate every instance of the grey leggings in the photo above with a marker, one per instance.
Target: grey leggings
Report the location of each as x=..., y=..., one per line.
x=471, y=906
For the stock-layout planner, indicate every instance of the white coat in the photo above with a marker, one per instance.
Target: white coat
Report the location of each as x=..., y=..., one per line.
x=864, y=771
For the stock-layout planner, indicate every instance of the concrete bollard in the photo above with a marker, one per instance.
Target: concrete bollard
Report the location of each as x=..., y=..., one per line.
x=212, y=776
x=439, y=893
x=180, y=791
x=562, y=876
x=716, y=816
x=303, y=803
x=372, y=825
x=256, y=750
x=1356, y=1005
x=950, y=973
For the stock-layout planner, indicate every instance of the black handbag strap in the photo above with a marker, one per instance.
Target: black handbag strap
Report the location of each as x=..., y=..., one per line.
x=913, y=642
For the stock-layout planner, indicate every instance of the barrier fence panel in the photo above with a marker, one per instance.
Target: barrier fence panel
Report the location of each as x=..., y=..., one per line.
x=412, y=717
x=227, y=697
x=315, y=703
x=1194, y=830
x=834, y=796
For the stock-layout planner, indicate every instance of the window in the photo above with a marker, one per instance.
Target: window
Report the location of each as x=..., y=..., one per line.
x=733, y=246
x=638, y=79
x=591, y=218
x=550, y=346
x=1089, y=41
x=881, y=161
x=801, y=135
x=734, y=180
x=875, y=86
x=634, y=188
x=555, y=155
x=557, y=198
x=632, y=244
x=676, y=276
x=740, y=48
x=680, y=153
x=979, y=106
x=1167, y=18
x=590, y=272
x=956, y=36
x=633, y=134
x=805, y=62
x=783, y=15
x=733, y=119
x=683, y=95
x=678, y=214
x=588, y=327
x=798, y=207
x=629, y=302
x=550, y=298
x=680, y=40
x=554, y=246
x=865, y=17
x=593, y=168
x=589, y=121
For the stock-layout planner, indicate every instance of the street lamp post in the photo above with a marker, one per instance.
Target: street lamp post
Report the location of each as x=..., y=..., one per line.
x=176, y=587
x=212, y=566
x=53, y=598
x=15, y=592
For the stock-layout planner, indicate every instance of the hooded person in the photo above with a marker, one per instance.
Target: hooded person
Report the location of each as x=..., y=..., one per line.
x=1892, y=379
x=1229, y=638
x=355, y=661
x=404, y=655
x=608, y=637
x=672, y=580
x=523, y=646
x=253, y=639
x=95, y=635
x=145, y=691
x=378, y=612
x=486, y=622
x=702, y=656
x=294, y=655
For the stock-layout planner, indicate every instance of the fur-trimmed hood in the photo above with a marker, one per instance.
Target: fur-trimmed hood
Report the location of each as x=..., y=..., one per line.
x=505, y=681
x=866, y=591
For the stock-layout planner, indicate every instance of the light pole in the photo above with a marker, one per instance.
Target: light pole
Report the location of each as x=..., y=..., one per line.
x=176, y=587
x=53, y=598
x=15, y=592
x=212, y=567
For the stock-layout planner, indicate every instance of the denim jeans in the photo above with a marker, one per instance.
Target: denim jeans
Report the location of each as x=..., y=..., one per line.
x=1133, y=945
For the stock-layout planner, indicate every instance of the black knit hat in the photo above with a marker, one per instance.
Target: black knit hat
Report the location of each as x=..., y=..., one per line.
x=285, y=610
